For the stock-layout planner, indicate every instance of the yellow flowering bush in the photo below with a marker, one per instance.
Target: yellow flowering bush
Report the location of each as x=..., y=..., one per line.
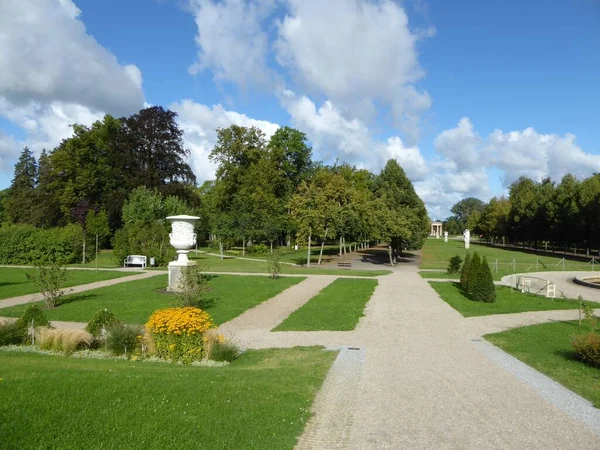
x=178, y=333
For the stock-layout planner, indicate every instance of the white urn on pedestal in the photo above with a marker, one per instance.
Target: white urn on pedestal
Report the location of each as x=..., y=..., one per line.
x=183, y=238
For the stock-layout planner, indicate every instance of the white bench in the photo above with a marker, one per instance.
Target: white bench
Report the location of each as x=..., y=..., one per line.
x=135, y=260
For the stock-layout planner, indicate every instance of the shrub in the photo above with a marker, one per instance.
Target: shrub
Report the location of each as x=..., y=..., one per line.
x=274, y=263
x=11, y=333
x=485, y=290
x=65, y=340
x=217, y=348
x=33, y=315
x=123, y=339
x=194, y=286
x=178, y=333
x=258, y=249
x=102, y=319
x=587, y=347
x=454, y=265
x=473, y=276
x=50, y=281
x=464, y=272
x=25, y=244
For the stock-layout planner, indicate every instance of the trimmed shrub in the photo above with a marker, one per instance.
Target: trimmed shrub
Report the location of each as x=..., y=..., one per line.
x=473, y=276
x=11, y=333
x=464, y=272
x=587, y=347
x=178, y=333
x=65, y=340
x=25, y=244
x=33, y=313
x=102, y=319
x=454, y=265
x=123, y=339
x=485, y=290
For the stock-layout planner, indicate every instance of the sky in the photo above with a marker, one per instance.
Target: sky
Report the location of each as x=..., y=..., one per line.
x=466, y=95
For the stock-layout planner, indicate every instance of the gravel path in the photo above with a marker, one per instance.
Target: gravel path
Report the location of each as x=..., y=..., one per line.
x=563, y=283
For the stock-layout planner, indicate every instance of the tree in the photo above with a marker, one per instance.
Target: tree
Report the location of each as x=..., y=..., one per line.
x=464, y=209
x=485, y=291
x=523, y=209
x=464, y=272
x=157, y=154
x=97, y=224
x=473, y=276
x=494, y=218
x=18, y=203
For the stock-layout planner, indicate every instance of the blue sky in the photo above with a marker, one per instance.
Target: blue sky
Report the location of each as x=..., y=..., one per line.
x=466, y=95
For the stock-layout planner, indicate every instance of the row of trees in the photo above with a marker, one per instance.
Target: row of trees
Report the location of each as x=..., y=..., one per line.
x=564, y=214
x=272, y=191
x=121, y=177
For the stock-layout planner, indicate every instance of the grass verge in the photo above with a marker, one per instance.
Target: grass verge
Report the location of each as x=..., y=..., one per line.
x=338, y=307
x=14, y=282
x=547, y=348
x=262, y=400
x=507, y=301
x=134, y=301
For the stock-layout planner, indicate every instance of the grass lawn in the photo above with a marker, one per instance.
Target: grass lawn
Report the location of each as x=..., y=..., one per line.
x=338, y=307
x=14, y=282
x=439, y=275
x=436, y=253
x=134, y=301
x=507, y=301
x=547, y=348
x=260, y=401
x=105, y=260
x=215, y=264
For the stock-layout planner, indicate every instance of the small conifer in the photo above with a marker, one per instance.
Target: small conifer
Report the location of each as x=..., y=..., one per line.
x=464, y=272
x=473, y=276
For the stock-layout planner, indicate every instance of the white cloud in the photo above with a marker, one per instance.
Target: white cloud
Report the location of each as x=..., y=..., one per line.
x=334, y=136
x=231, y=41
x=46, y=55
x=355, y=53
x=9, y=149
x=460, y=145
x=529, y=153
x=199, y=123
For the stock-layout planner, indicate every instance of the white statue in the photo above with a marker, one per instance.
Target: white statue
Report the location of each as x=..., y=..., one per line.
x=467, y=235
x=445, y=236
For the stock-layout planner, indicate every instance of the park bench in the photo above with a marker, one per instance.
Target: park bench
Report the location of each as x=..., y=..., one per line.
x=135, y=260
x=344, y=265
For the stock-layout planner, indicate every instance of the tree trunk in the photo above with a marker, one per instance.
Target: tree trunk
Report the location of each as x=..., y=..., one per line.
x=271, y=246
x=390, y=253
x=308, y=252
x=340, y=245
x=96, y=253
x=221, y=249
x=84, y=236
x=322, y=245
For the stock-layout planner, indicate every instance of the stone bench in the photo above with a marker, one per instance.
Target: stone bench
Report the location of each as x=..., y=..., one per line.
x=135, y=260
x=344, y=265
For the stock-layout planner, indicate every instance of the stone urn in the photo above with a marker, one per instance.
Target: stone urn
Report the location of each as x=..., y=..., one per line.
x=183, y=238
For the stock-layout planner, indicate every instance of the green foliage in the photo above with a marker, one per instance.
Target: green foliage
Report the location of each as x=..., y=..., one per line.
x=587, y=347
x=485, y=290
x=274, y=263
x=194, y=287
x=473, y=277
x=102, y=319
x=151, y=240
x=258, y=249
x=464, y=272
x=122, y=339
x=26, y=245
x=12, y=333
x=224, y=351
x=33, y=313
x=50, y=280
x=19, y=201
x=454, y=265
x=467, y=211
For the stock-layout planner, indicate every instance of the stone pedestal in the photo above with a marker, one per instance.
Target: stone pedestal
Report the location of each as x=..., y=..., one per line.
x=175, y=270
x=183, y=238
